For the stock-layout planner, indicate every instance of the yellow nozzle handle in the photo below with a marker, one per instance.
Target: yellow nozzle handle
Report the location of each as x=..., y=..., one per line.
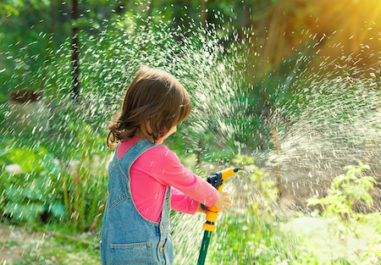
x=212, y=212
x=227, y=173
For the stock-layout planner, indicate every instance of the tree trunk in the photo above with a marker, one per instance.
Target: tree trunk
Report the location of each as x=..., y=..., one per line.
x=53, y=17
x=203, y=13
x=150, y=9
x=75, y=46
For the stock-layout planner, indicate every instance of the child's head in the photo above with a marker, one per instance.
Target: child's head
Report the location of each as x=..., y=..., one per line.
x=154, y=103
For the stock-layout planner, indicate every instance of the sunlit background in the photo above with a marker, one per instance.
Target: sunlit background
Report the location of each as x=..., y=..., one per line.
x=288, y=89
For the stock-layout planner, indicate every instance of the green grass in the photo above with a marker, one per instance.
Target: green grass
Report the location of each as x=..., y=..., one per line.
x=38, y=246
x=299, y=240
x=239, y=239
x=54, y=251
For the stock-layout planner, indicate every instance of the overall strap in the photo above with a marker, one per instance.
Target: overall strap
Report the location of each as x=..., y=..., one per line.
x=165, y=222
x=129, y=157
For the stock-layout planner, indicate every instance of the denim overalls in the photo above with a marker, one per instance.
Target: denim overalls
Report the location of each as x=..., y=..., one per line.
x=126, y=236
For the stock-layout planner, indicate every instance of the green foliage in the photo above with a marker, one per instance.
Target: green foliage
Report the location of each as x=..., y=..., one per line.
x=254, y=236
x=265, y=189
x=47, y=186
x=27, y=195
x=246, y=239
x=10, y=8
x=261, y=237
x=40, y=60
x=346, y=190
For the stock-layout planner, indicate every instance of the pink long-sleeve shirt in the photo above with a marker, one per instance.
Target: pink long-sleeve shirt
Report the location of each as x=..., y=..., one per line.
x=158, y=168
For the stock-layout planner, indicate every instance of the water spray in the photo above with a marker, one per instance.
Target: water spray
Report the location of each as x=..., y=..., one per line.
x=217, y=180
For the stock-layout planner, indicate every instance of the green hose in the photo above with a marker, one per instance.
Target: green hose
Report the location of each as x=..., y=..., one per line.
x=204, y=247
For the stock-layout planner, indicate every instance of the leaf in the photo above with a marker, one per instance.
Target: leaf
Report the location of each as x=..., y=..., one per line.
x=3, y=152
x=26, y=159
x=13, y=193
x=313, y=201
x=57, y=209
x=34, y=190
x=50, y=166
x=367, y=198
x=24, y=212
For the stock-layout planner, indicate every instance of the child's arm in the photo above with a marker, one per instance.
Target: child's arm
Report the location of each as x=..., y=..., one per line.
x=168, y=170
x=183, y=203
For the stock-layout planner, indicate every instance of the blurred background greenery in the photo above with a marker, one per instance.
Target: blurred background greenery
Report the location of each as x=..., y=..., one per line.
x=268, y=47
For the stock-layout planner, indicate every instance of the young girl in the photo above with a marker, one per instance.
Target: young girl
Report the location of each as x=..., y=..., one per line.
x=146, y=179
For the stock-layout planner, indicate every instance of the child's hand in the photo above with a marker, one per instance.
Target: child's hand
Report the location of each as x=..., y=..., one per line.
x=223, y=201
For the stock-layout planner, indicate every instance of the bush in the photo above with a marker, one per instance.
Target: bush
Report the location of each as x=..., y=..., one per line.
x=48, y=189
x=346, y=190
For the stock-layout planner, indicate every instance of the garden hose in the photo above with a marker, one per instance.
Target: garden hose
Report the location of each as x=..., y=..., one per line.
x=217, y=180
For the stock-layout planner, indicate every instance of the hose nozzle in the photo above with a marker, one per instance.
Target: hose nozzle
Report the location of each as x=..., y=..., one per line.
x=217, y=181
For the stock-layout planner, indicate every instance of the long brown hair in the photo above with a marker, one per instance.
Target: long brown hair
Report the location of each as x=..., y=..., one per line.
x=154, y=102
